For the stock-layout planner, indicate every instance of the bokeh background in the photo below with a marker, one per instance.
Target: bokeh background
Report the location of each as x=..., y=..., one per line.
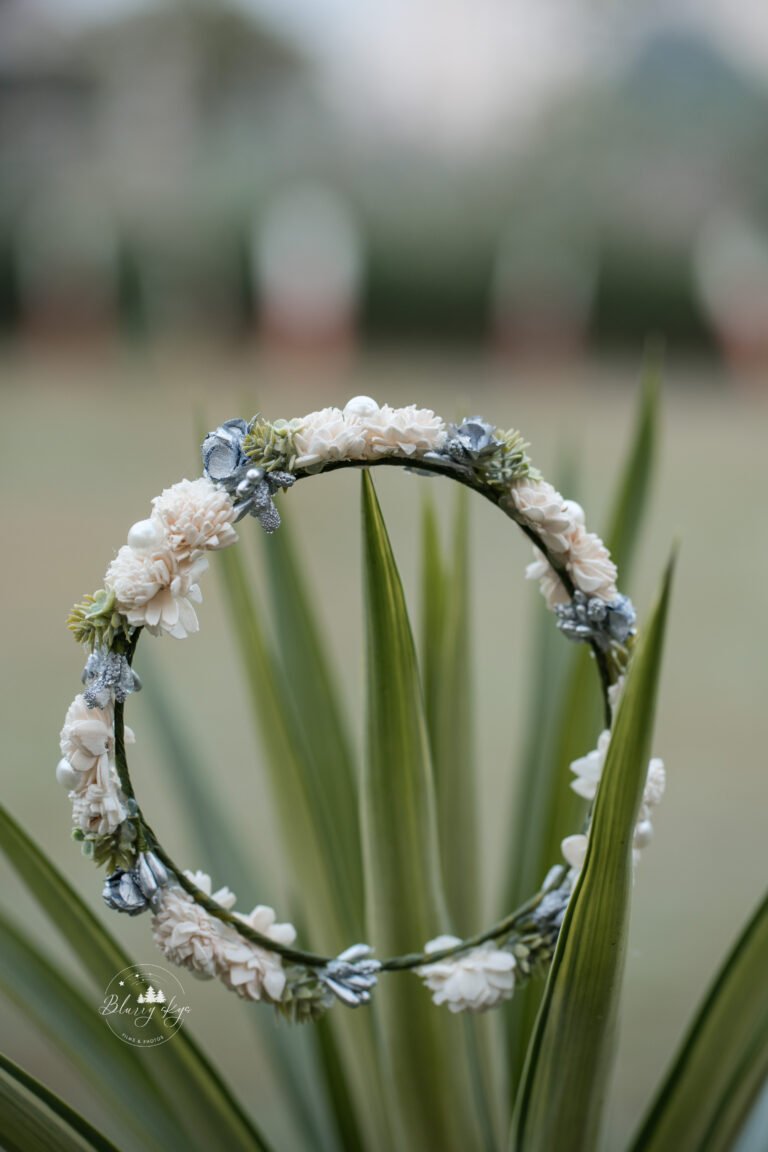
x=209, y=208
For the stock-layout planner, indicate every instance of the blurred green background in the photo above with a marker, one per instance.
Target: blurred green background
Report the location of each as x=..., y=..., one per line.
x=209, y=209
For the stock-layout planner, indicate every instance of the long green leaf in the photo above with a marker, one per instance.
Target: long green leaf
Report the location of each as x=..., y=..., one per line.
x=565, y=684
x=428, y=1077
x=316, y=711
x=63, y=1014
x=632, y=493
x=722, y=1066
x=33, y=1119
x=293, y=1055
x=189, y=1086
x=448, y=701
x=297, y=790
x=569, y=1059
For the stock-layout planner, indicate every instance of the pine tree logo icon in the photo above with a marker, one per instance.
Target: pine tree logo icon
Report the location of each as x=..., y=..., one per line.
x=150, y=996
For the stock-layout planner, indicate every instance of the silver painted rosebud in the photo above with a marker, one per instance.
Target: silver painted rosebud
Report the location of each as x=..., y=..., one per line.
x=222, y=450
x=136, y=890
x=473, y=438
x=255, y=494
x=352, y=976
x=590, y=619
x=107, y=676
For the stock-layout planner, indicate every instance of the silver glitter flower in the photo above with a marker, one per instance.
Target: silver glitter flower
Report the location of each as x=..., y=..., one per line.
x=351, y=976
x=135, y=890
x=471, y=439
x=223, y=456
x=589, y=618
x=255, y=492
x=108, y=675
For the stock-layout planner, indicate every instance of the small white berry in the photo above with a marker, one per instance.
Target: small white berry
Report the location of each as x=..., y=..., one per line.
x=146, y=534
x=66, y=775
x=361, y=406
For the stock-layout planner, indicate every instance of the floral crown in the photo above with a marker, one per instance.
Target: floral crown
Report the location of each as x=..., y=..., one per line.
x=152, y=585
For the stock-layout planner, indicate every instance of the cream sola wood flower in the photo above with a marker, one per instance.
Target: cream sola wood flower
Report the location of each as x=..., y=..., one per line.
x=363, y=431
x=470, y=981
x=190, y=936
x=87, y=769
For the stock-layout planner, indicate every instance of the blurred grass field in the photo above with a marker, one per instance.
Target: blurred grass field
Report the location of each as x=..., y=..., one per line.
x=86, y=445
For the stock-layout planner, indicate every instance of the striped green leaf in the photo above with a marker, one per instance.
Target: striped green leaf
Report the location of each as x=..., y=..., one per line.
x=188, y=1085
x=716, y=1078
x=71, y=1021
x=33, y=1119
x=448, y=701
x=428, y=1076
x=316, y=710
x=307, y=829
x=566, y=688
x=569, y=1058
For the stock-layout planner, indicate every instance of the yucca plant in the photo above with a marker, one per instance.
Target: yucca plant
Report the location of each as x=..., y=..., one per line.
x=384, y=852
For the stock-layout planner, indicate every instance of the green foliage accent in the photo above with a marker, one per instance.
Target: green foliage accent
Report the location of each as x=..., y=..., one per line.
x=431, y=1105
x=705, y=1099
x=569, y=1059
x=33, y=1119
x=60, y=1011
x=447, y=676
x=509, y=462
x=95, y=621
x=269, y=446
x=118, y=849
x=189, y=1086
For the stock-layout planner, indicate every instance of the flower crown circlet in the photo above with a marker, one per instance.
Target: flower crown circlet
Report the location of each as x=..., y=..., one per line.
x=152, y=585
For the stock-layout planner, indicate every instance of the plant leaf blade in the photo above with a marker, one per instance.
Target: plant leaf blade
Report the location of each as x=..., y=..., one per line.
x=568, y=1061
x=34, y=1119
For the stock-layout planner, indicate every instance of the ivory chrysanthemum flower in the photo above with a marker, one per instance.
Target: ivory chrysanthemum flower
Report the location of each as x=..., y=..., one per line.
x=155, y=591
x=252, y=972
x=590, y=565
x=185, y=932
x=409, y=430
x=471, y=981
x=545, y=510
x=87, y=743
x=327, y=435
x=98, y=809
x=196, y=516
x=588, y=769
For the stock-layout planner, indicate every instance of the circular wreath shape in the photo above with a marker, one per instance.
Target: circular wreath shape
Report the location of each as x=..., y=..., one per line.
x=152, y=586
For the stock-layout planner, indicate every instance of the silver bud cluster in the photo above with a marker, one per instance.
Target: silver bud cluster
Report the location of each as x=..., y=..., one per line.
x=351, y=976
x=255, y=493
x=108, y=675
x=604, y=622
x=136, y=890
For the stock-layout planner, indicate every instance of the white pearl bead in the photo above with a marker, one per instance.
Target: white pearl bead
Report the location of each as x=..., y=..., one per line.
x=361, y=406
x=643, y=834
x=66, y=775
x=146, y=534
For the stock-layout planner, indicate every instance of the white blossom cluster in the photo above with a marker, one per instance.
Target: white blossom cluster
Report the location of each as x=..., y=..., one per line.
x=155, y=575
x=471, y=981
x=560, y=525
x=87, y=768
x=190, y=936
x=588, y=771
x=364, y=431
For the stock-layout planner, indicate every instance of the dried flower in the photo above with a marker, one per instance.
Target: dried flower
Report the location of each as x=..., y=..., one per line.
x=185, y=932
x=588, y=769
x=156, y=591
x=108, y=676
x=99, y=809
x=410, y=431
x=470, y=981
x=196, y=516
x=87, y=743
x=328, y=435
x=253, y=972
x=545, y=511
x=552, y=588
